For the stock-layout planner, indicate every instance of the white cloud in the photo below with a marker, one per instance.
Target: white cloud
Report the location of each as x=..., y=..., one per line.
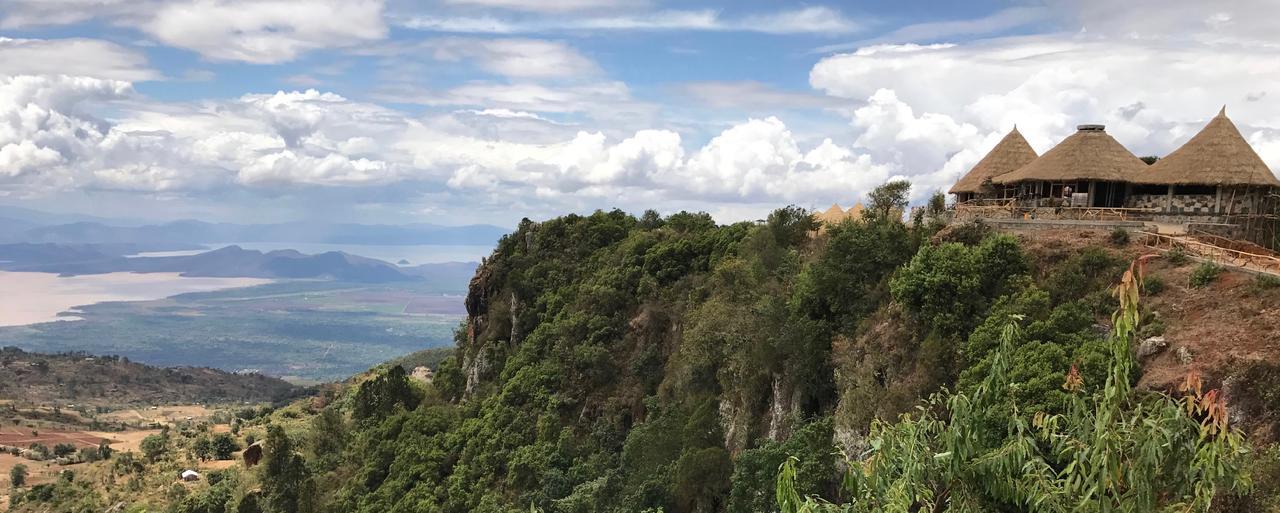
x=606, y=102
x=754, y=95
x=808, y=20
x=757, y=161
x=21, y=157
x=267, y=31
x=255, y=31
x=289, y=168
x=86, y=57
x=516, y=58
x=1151, y=94
x=34, y=13
x=556, y=6
x=42, y=128
x=999, y=21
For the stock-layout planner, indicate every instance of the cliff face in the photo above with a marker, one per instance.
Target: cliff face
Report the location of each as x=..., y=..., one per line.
x=616, y=364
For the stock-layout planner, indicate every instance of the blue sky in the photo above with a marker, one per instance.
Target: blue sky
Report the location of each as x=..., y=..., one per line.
x=460, y=111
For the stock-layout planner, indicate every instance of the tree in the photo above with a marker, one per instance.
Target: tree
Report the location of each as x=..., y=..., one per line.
x=790, y=225
x=203, y=448
x=154, y=446
x=224, y=446
x=61, y=450
x=378, y=397
x=18, y=475
x=328, y=437
x=888, y=201
x=284, y=475
x=104, y=450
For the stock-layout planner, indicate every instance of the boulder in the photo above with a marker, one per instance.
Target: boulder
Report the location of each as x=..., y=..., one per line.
x=1151, y=347
x=1184, y=355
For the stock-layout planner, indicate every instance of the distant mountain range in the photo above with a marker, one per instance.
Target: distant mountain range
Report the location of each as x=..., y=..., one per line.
x=25, y=225
x=230, y=261
x=73, y=244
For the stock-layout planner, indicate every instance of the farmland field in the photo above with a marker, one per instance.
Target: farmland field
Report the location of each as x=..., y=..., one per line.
x=14, y=436
x=304, y=331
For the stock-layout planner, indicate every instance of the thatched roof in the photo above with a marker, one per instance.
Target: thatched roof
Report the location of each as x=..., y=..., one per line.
x=1010, y=153
x=833, y=215
x=1088, y=154
x=855, y=212
x=1218, y=155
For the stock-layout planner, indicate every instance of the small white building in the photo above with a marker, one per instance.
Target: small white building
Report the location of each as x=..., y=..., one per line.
x=190, y=475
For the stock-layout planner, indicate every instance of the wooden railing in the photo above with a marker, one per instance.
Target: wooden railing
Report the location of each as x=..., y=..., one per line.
x=1011, y=209
x=1254, y=261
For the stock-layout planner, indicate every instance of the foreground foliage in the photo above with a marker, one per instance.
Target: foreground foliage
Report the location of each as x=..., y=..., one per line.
x=1112, y=451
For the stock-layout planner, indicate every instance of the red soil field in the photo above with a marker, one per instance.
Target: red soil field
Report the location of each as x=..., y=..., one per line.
x=22, y=438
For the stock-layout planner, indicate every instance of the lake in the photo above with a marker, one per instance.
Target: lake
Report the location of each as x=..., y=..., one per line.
x=414, y=254
x=28, y=298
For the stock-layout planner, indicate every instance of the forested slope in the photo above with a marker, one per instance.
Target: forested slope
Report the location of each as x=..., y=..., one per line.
x=620, y=364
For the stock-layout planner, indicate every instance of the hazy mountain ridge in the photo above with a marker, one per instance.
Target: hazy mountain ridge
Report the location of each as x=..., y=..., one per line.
x=200, y=232
x=230, y=261
x=83, y=378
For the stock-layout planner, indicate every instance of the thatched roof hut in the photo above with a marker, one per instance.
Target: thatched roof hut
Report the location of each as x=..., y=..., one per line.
x=833, y=215
x=1218, y=155
x=1011, y=153
x=1090, y=154
x=855, y=212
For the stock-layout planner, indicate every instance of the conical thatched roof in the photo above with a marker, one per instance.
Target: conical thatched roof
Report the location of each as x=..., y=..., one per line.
x=855, y=212
x=1089, y=154
x=833, y=215
x=1010, y=153
x=1218, y=155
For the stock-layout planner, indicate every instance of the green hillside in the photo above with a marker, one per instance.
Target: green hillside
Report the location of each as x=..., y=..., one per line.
x=619, y=364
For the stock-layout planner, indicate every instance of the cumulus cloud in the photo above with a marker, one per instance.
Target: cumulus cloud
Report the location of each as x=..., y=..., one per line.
x=42, y=125
x=1151, y=93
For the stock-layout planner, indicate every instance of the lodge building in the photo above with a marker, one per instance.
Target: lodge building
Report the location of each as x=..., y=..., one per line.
x=1215, y=178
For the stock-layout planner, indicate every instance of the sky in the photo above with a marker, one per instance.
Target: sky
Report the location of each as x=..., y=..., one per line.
x=488, y=111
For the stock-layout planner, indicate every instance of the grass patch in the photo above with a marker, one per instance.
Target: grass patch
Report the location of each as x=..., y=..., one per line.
x=1204, y=274
x=1265, y=282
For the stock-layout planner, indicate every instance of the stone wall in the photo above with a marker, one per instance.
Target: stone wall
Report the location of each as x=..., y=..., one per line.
x=1146, y=201
x=1196, y=204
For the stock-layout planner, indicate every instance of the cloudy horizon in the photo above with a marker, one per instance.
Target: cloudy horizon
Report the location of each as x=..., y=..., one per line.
x=487, y=111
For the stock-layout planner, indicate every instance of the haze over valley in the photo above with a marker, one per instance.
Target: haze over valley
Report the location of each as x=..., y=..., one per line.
x=158, y=294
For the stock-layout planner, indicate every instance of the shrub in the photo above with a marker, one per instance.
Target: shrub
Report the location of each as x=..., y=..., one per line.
x=1120, y=237
x=1152, y=285
x=1176, y=256
x=948, y=287
x=1204, y=274
x=18, y=475
x=1266, y=282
